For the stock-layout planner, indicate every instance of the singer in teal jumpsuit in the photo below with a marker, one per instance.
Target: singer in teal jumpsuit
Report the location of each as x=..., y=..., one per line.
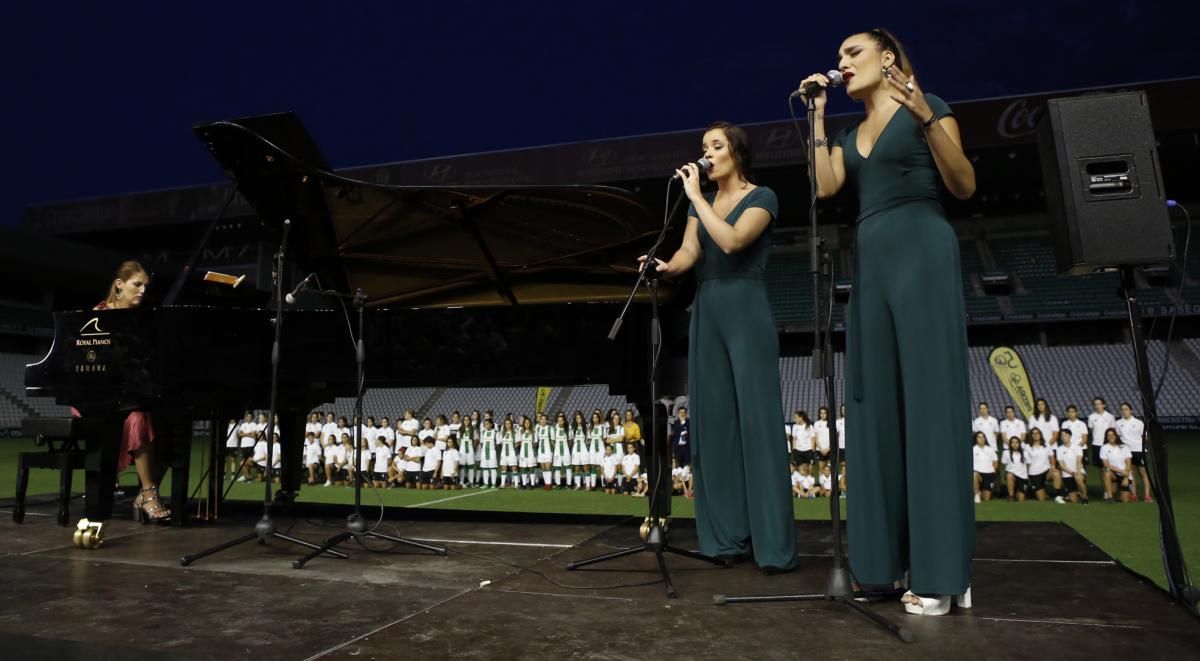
x=908, y=394
x=739, y=462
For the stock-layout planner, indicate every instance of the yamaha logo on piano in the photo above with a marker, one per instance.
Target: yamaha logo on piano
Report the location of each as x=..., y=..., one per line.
x=95, y=336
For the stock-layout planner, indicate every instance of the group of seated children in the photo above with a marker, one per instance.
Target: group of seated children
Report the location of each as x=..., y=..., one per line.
x=427, y=464
x=1057, y=471
x=804, y=485
x=623, y=474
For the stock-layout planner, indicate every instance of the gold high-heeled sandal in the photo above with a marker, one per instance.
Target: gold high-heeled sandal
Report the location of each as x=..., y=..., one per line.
x=153, y=508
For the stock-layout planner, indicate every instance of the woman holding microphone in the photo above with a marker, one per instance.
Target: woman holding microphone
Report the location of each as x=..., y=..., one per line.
x=741, y=478
x=906, y=342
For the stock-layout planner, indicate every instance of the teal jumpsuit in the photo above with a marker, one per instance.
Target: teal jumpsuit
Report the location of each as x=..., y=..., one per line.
x=743, y=494
x=908, y=408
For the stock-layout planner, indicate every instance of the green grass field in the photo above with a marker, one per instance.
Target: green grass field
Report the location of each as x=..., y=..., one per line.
x=1127, y=532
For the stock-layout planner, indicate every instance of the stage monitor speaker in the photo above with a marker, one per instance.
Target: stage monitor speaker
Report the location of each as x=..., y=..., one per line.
x=1103, y=185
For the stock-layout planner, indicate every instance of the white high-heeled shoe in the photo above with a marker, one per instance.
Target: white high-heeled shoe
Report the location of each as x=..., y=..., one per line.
x=935, y=605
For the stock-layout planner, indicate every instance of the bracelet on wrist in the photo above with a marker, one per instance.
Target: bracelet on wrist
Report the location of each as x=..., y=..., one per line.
x=928, y=124
x=821, y=142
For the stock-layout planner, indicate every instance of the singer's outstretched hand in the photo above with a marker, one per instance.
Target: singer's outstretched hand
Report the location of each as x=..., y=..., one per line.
x=820, y=97
x=690, y=175
x=660, y=266
x=907, y=93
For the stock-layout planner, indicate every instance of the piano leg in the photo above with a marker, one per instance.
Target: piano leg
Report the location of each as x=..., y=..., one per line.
x=103, y=440
x=181, y=464
x=291, y=466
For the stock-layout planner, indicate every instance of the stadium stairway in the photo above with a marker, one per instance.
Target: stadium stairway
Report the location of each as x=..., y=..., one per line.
x=1185, y=357
x=429, y=402
x=21, y=405
x=560, y=398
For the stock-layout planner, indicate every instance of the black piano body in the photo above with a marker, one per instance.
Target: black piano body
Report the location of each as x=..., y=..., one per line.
x=180, y=364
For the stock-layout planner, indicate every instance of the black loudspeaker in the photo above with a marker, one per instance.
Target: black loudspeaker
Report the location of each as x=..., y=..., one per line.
x=1103, y=184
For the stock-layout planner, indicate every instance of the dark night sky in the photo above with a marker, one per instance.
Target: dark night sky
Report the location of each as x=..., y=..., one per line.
x=99, y=99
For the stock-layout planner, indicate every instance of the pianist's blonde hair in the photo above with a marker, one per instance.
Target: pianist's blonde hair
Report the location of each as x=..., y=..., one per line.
x=125, y=271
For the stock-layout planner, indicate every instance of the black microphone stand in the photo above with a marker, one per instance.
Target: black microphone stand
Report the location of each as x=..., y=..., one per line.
x=356, y=524
x=655, y=541
x=838, y=588
x=265, y=528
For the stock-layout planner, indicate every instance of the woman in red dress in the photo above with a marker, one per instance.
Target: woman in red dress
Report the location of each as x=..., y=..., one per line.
x=137, y=438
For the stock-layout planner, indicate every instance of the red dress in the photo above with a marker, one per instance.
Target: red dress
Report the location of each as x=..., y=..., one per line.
x=137, y=432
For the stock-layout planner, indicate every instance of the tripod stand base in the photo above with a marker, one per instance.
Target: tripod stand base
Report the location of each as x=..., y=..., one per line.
x=263, y=530
x=352, y=534
x=845, y=597
x=656, y=543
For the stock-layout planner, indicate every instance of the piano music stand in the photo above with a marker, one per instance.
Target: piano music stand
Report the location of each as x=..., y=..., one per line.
x=265, y=528
x=356, y=525
x=655, y=540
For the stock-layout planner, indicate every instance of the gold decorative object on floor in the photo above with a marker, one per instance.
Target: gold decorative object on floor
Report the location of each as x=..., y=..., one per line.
x=644, y=531
x=88, y=535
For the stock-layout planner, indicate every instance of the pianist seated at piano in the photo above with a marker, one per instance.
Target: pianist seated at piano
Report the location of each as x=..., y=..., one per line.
x=138, y=433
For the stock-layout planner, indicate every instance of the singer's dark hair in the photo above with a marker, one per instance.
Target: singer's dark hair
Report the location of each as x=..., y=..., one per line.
x=739, y=145
x=888, y=41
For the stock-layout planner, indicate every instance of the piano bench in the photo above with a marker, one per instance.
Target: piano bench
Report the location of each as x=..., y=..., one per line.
x=66, y=458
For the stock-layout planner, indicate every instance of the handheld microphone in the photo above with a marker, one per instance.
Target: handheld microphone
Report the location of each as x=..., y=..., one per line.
x=704, y=164
x=291, y=296
x=835, y=80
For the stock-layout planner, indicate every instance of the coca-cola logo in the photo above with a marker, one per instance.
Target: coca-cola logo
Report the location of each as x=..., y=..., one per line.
x=440, y=172
x=599, y=156
x=780, y=137
x=1019, y=118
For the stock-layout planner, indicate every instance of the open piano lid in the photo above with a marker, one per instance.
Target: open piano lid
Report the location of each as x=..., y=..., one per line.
x=435, y=246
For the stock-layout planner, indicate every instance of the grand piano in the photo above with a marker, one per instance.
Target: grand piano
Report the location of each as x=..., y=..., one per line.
x=465, y=286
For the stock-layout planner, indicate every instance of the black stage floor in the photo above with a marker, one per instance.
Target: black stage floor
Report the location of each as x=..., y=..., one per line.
x=1041, y=591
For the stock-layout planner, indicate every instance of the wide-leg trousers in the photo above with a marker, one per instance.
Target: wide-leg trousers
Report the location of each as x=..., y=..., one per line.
x=910, y=505
x=739, y=463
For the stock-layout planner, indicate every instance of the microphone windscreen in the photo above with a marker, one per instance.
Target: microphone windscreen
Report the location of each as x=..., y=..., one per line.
x=704, y=164
x=835, y=77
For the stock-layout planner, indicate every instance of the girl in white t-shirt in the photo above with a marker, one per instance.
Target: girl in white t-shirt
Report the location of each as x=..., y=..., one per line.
x=1046, y=421
x=381, y=455
x=630, y=469
x=1118, y=467
x=803, y=483
x=1016, y=468
x=821, y=438
x=802, y=439
x=825, y=482
x=314, y=456
x=451, y=459
x=386, y=434
x=609, y=469
x=1040, y=463
x=441, y=430
x=1070, y=476
x=985, y=463
x=414, y=456
x=335, y=460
